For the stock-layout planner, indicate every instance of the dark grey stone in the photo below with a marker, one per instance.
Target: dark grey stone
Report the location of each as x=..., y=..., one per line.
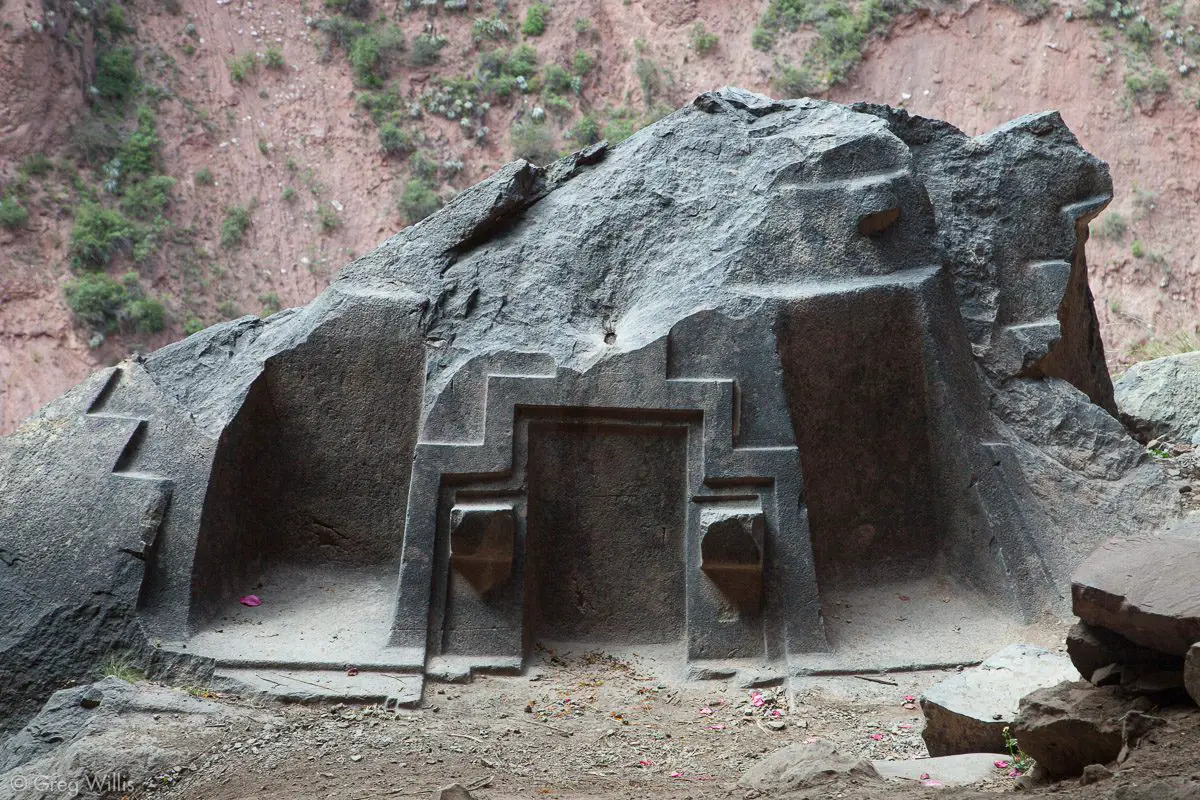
x=1160, y=398
x=657, y=393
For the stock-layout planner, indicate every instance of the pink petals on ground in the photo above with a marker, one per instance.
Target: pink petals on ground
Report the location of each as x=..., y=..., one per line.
x=251, y=600
x=757, y=700
x=645, y=762
x=706, y=712
x=877, y=737
x=1002, y=764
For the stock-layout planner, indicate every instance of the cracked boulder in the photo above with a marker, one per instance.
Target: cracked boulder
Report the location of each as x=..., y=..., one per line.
x=1145, y=590
x=805, y=766
x=1066, y=727
x=968, y=712
x=1160, y=398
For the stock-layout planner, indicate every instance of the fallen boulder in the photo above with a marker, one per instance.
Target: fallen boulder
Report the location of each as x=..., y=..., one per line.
x=1092, y=648
x=803, y=766
x=1065, y=728
x=968, y=712
x=1161, y=398
x=1146, y=590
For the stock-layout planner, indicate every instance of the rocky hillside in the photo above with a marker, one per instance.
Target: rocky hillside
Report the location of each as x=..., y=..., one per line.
x=166, y=164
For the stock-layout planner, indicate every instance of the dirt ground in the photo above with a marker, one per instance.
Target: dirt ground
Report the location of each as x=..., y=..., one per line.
x=591, y=724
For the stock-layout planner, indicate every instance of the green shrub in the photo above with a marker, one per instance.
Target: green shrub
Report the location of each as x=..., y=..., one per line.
x=37, y=165
x=289, y=194
x=371, y=53
x=243, y=67
x=649, y=79
x=341, y=31
x=426, y=49
x=533, y=142
x=193, y=325
x=270, y=303
x=228, y=309
x=274, y=58
x=586, y=131
x=762, y=39
x=234, y=226
x=330, y=221
x=97, y=233
x=557, y=79
x=1111, y=226
x=147, y=199
x=793, y=81
x=1138, y=249
x=394, y=140
x=115, y=21
x=116, y=74
x=703, y=40
x=359, y=9
x=422, y=166
x=419, y=200
x=139, y=154
x=97, y=301
x=203, y=177
x=147, y=315
x=535, y=20
x=379, y=104
x=583, y=63
x=13, y=215
x=96, y=138
x=620, y=129
x=583, y=26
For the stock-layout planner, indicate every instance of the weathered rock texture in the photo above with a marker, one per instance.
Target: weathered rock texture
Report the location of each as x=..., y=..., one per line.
x=1161, y=398
x=1066, y=727
x=967, y=713
x=1191, y=673
x=758, y=347
x=804, y=766
x=1146, y=590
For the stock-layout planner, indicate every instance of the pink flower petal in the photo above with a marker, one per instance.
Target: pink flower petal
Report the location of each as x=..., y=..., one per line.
x=676, y=774
x=1016, y=773
x=351, y=671
x=250, y=600
x=645, y=762
x=908, y=698
x=706, y=711
x=1001, y=764
x=877, y=737
x=931, y=782
x=924, y=776
x=716, y=727
x=757, y=700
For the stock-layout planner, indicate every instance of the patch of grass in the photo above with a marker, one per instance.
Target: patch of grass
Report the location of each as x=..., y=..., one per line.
x=37, y=166
x=97, y=234
x=704, y=41
x=203, y=177
x=843, y=31
x=557, y=79
x=1112, y=225
x=533, y=142
x=116, y=74
x=1021, y=762
x=13, y=215
x=270, y=304
x=1171, y=345
x=649, y=79
x=228, y=309
x=1031, y=9
x=123, y=666
x=193, y=325
x=289, y=194
x=793, y=81
x=583, y=26
x=1138, y=249
x=328, y=215
x=264, y=147
x=535, y=19
x=115, y=20
x=419, y=200
x=234, y=226
x=273, y=59
x=242, y=67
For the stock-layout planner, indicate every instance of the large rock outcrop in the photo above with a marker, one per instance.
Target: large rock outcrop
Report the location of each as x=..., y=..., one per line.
x=1161, y=398
x=758, y=344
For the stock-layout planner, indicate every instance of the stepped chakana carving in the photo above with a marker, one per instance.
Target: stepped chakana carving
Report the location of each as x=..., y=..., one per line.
x=764, y=367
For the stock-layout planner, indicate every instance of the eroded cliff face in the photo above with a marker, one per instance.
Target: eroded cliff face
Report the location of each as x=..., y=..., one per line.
x=766, y=352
